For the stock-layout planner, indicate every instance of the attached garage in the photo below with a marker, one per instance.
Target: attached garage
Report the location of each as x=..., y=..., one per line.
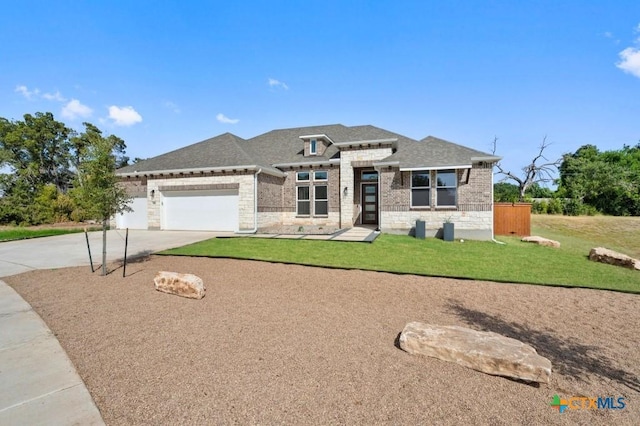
x=135, y=219
x=200, y=209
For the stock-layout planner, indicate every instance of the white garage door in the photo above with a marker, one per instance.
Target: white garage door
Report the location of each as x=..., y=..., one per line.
x=136, y=219
x=201, y=210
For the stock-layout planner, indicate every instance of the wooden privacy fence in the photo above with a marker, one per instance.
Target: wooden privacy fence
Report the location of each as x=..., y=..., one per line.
x=512, y=219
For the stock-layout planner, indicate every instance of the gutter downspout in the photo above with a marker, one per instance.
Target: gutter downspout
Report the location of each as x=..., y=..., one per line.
x=255, y=206
x=493, y=237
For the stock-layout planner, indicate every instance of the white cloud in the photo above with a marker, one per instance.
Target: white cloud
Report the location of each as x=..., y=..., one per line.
x=26, y=92
x=224, y=119
x=57, y=96
x=630, y=57
x=630, y=61
x=276, y=83
x=173, y=107
x=124, y=116
x=75, y=109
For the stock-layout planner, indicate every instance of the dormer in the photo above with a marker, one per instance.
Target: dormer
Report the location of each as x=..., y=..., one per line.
x=315, y=145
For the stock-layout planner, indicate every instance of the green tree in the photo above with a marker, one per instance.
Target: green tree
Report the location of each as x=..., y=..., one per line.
x=37, y=150
x=504, y=192
x=96, y=188
x=607, y=181
x=36, y=153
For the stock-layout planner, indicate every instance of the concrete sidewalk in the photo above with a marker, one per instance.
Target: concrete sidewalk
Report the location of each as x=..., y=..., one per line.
x=38, y=383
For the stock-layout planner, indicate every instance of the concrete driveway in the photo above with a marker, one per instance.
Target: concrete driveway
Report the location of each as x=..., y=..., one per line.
x=71, y=250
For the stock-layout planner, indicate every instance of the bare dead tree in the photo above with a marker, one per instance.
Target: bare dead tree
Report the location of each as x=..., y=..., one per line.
x=534, y=172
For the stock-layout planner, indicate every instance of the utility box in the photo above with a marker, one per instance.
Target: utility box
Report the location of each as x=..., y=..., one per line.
x=448, y=230
x=420, y=229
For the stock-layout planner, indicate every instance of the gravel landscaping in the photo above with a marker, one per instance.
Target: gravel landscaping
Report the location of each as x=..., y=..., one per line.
x=274, y=343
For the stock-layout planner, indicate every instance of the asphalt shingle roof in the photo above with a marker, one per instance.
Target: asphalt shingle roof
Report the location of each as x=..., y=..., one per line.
x=432, y=152
x=284, y=146
x=219, y=151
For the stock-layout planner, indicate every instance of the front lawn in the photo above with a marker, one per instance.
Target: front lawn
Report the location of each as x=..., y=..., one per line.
x=513, y=262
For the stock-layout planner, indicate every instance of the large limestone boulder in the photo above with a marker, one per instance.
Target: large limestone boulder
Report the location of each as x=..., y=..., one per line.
x=542, y=241
x=604, y=255
x=185, y=285
x=487, y=352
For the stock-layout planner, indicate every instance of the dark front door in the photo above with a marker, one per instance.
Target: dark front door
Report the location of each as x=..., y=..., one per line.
x=369, y=203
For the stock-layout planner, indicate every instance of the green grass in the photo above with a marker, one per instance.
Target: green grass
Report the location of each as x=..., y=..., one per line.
x=12, y=234
x=585, y=232
x=513, y=262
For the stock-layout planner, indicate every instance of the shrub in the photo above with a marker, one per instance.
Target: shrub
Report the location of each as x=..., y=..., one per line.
x=555, y=206
x=539, y=207
x=573, y=207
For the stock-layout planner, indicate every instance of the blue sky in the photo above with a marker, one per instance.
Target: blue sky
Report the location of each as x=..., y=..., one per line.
x=163, y=74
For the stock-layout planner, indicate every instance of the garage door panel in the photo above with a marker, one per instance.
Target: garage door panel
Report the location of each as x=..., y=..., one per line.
x=135, y=219
x=201, y=210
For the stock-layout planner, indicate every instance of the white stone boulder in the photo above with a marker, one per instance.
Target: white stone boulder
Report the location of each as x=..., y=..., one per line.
x=604, y=255
x=487, y=352
x=185, y=285
x=541, y=241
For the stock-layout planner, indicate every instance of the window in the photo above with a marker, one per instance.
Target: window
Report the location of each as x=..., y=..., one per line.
x=446, y=187
x=369, y=176
x=303, y=201
x=302, y=176
x=313, y=147
x=321, y=202
x=420, y=188
x=319, y=175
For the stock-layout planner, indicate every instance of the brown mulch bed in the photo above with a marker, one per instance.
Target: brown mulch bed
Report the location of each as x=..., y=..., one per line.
x=273, y=343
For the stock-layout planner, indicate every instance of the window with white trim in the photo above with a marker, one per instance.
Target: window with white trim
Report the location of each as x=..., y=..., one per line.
x=320, y=200
x=421, y=188
x=302, y=176
x=313, y=147
x=303, y=201
x=446, y=187
x=320, y=175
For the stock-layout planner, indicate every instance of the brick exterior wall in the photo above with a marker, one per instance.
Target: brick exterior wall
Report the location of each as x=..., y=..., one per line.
x=290, y=185
x=270, y=190
x=135, y=186
x=321, y=147
x=270, y=200
x=473, y=216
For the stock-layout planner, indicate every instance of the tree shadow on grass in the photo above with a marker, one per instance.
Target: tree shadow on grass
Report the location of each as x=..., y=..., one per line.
x=567, y=356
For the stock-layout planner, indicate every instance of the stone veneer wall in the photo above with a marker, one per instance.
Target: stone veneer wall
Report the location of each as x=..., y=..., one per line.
x=349, y=208
x=245, y=192
x=473, y=217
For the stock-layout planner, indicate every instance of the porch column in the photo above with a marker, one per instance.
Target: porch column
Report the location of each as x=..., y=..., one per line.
x=346, y=197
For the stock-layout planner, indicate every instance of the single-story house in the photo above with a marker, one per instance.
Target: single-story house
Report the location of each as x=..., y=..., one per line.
x=313, y=180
